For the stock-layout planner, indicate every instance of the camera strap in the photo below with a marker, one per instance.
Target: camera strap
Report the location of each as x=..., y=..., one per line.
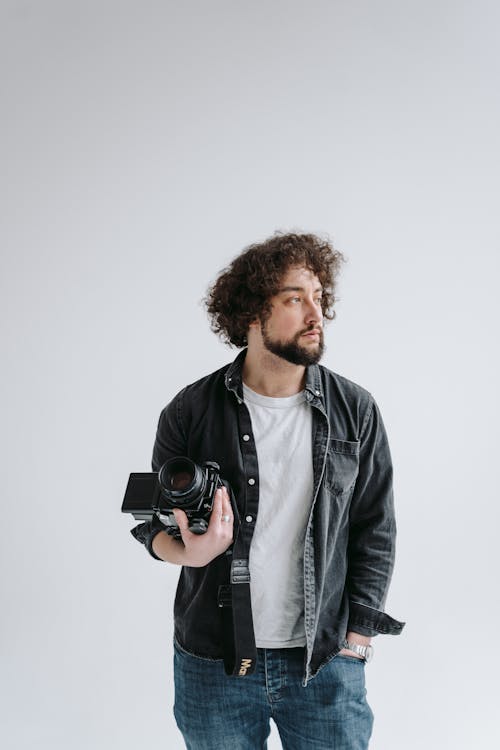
x=240, y=652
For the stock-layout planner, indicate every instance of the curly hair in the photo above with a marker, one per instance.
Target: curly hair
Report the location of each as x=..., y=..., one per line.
x=242, y=291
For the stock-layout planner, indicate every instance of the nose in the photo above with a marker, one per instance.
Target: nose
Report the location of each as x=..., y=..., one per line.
x=314, y=312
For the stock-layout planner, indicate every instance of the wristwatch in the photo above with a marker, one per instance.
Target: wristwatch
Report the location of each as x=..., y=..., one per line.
x=365, y=651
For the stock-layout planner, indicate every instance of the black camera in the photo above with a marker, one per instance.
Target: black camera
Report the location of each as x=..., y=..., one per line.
x=180, y=483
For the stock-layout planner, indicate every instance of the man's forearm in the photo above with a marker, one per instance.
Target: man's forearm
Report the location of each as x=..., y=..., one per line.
x=168, y=549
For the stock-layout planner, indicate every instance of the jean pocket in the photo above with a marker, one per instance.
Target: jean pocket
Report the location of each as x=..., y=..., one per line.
x=342, y=465
x=350, y=658
x=181, y=651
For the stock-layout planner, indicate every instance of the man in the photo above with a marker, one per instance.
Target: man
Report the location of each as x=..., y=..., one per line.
x=299, y=563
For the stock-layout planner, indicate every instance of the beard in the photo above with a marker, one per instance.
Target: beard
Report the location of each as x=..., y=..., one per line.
x=292, y=351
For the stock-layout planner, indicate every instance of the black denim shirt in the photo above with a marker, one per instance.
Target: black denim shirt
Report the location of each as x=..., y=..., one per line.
x=350, y=537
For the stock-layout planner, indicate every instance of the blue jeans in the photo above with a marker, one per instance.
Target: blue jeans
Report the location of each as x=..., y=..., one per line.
x=217, y=712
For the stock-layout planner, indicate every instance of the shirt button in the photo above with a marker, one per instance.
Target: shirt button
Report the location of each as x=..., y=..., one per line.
x=249, y=519
x=239, y=400
x=246, y=438
x=251, y=481
x=317, y=393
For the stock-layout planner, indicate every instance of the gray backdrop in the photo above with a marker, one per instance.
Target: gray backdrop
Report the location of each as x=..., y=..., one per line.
x=145, y=144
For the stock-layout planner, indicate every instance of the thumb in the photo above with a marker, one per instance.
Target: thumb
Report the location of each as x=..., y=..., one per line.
x=182, y=522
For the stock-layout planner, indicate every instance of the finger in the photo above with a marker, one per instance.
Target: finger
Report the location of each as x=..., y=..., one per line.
x=227, y=509
x=215, y=517
x=226, y=500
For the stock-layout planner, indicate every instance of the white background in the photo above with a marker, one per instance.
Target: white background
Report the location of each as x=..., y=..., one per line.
x=144, y=144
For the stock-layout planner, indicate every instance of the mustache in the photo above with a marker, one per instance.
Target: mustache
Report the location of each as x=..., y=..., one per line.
x=311, y=329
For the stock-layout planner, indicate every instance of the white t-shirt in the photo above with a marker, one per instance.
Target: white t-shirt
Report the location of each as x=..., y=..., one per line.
x=282, y=431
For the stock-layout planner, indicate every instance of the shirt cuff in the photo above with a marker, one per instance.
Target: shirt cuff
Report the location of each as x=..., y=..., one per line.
x=146, y=532
x=370, y=621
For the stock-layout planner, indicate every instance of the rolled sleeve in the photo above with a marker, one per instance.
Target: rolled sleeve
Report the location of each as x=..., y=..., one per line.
x=372, y=532
x=146, y=532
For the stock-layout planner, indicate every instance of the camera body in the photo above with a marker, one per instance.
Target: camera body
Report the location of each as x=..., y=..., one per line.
x=180, y=483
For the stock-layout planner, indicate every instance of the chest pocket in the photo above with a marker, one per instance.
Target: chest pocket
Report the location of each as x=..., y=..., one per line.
x=342, y=465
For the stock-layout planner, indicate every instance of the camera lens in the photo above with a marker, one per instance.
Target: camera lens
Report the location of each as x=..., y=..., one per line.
x=182, y=482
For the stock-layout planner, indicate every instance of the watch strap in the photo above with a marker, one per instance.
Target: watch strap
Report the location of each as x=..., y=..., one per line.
x=364, y=651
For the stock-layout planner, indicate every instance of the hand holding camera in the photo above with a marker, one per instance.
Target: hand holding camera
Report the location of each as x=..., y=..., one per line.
x=190, y=502
x=200, y=549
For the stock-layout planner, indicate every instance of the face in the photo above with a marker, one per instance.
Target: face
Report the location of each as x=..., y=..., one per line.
x=294, y=330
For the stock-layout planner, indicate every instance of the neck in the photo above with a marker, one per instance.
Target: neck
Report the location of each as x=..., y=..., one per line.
x=269, y=375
